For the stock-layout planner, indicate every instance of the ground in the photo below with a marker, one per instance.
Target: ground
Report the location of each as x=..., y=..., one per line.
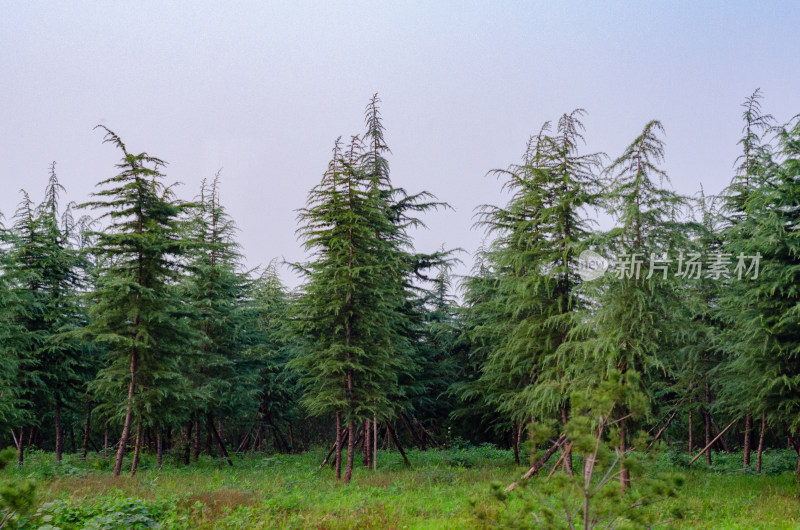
x=443, y=489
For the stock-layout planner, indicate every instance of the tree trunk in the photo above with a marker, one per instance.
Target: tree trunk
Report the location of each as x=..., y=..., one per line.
x=160, y=446
x=137, y=446
x=86, y=427
x=196, y=444
x=426, y=434
x=367, y=447
x=374, y=443
x=690, y=433
x=761, y=441
x=568, y=455
x=59, y=433
x=539, y=463
x=220, y=445
x=291, y=439
x=723, y=444
x=187, y=450
x=325, y=460
x=708, y=437
x=105, y=440
x=624, y=474
x=351, y=446
x=416, y=439
x=338, y=456
x=21, y=447
x=397, y=443
x=748, y=425
x=126, y=426
x=515, y=442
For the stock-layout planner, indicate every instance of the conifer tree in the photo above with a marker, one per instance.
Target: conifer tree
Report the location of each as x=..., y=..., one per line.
x=740, y=225
x=273, y=347
x=764, y=306
x=635, y=311
x=348, y=363
x=44, y=269
x=137, y=316
x=216, y=289
x=540, y=233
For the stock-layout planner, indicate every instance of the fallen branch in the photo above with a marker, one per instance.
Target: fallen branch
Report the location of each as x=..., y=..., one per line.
x=712, y=441
x=560, y=459
x=539, y=463
x=660, y=432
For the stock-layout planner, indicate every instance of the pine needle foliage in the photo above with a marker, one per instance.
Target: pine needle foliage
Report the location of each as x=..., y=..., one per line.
x=137, y=315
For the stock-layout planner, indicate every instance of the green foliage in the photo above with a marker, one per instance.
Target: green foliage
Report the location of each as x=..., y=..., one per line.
x=17, y=498
x=593, y=499
x=137, y=316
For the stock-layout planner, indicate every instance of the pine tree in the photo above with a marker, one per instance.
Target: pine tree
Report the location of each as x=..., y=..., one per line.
x=271, y=351
x=347, y=363
x=534, y=301
x=43, y=268
x=137, y=316
x=739, y=226
x=10, y=352
x=766, y=303
x=216, y=289
x=635, y=312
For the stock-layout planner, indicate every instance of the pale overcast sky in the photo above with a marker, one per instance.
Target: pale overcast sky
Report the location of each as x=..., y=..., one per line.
x=263, y=89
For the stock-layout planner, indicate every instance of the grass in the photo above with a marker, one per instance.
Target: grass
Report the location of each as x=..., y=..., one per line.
x=444, y=489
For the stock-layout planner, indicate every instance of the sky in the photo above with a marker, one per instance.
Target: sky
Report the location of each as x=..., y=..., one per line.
x=262, y=90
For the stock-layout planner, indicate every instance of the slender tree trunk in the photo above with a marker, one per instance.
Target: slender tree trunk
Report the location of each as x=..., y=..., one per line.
x=397, y=443
x=690, y=432
x=196, y=442
x=624, y=474
x=21, y=447
x=330, y=453
x=137, y=446
x=187, y=440
x=568, y=455
x=160, y=446
x=351, y=446
x=761, y=441
x=426, y=433
x=218, y=439
x=59, y=433
x=722, y=443
x=291, y=439
x=708, y=437
x=417, y=441
x=365, y=460
x=338, y=456
x=535, y=467
x=707, y=418
x=86, y=427
x=515, y=442
x=374, y=443
x=126, y=426
x=748, y=425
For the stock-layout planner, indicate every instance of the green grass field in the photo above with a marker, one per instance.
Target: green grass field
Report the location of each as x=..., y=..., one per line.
x=444, y=489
